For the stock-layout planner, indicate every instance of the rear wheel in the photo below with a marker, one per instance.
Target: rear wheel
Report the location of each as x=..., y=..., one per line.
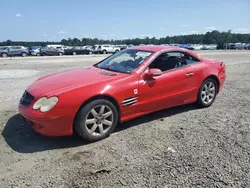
x=24, y=54
x=60, y=54
x=74, y=53
x=4, y=55
x=116, y=51
x=207, y=93
x=90, y=52
x=96, y=120
x=104, y=51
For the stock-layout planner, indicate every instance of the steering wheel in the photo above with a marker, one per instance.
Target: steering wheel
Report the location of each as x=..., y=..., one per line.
x=180, y=63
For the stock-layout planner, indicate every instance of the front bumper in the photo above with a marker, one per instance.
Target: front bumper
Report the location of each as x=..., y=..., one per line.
x=48, y=124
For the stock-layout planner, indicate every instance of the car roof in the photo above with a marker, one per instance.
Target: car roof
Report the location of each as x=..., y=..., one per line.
x=158, y=48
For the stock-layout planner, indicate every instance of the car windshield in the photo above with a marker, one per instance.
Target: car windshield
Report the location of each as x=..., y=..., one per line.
x=125, y=61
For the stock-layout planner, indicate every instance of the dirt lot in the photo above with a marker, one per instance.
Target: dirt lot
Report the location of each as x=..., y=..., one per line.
x=179, y=147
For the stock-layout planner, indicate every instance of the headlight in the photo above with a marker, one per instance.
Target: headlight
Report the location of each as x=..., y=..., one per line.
x=45, y=104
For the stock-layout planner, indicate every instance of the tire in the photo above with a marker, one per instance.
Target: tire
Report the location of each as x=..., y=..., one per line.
x=4, y=55
x=37, y=54
x=24, y=54
x=90, y=52
x=116, y=51
x=60, y=54
x=104, y=52
x=74, y=53
x=85, y=113
x=207, y=90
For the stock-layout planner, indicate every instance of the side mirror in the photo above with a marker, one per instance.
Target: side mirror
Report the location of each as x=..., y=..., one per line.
x=154, y=72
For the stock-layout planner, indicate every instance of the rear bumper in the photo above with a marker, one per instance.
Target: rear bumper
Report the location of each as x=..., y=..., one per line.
x=222, y=81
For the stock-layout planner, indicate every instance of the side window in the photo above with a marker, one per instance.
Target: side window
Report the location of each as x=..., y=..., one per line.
x=172, y=60
x=190, y=60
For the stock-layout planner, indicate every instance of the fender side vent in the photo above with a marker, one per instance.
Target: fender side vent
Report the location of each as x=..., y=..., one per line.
x=129, y=101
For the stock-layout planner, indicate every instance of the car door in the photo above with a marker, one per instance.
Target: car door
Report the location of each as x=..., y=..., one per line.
x=174, y=87
x=52, y=51
x=13, y=50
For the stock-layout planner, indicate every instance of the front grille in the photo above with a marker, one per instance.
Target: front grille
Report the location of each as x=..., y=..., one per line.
x=26, y=99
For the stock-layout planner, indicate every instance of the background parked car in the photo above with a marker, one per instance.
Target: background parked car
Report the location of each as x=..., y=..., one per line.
x=14, y=51
x=105, y=48
x=35, y=50
x=78, y=50
x=3, y=51
x=49, y=51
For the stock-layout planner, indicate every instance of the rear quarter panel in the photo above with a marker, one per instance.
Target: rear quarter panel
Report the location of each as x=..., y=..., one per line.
x=211, y=68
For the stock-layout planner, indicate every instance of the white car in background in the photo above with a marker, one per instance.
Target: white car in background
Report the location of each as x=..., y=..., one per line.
x=197, y=46
x=105, y=48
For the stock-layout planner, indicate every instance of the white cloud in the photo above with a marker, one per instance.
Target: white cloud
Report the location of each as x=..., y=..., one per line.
x=181, y=9
x=210, y=28
x=61, y=32
x=184, y=25
x=163, y=29
x=45, y=34
x=242, y=30
x=18, y=15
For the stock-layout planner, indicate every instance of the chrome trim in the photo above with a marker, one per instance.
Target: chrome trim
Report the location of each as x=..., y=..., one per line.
x=128, y=100
x=130, y=103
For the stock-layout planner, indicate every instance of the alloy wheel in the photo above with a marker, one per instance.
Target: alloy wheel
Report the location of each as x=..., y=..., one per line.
x=99, y=120
x=208, y=92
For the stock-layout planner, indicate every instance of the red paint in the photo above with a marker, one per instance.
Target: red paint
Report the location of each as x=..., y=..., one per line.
x=74, y=87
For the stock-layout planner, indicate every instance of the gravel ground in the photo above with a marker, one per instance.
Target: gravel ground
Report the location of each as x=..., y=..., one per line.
x=178, y=147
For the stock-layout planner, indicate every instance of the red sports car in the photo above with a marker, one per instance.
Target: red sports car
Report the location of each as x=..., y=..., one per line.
x=131, y=83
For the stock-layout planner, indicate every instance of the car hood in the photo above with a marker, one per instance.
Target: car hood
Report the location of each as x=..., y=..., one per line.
x=70, y=79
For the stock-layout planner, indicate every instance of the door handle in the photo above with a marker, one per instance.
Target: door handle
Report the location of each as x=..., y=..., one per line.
x=189, y=74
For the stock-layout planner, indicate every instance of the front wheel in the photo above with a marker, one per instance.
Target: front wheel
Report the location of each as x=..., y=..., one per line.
x=96, y=120
x=4, y=55
x=60, y=54
x=207, y=93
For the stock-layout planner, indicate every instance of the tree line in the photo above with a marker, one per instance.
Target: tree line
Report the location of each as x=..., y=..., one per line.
x=214, y=37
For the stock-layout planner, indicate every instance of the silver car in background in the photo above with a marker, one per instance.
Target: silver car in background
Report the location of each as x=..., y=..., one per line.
x=14, y=51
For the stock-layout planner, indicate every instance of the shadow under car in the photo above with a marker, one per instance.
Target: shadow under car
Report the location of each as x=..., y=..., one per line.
x=20, y=136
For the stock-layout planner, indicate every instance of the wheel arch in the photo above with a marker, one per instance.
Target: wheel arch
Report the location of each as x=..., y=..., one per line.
x=215, y=78
x=4, y=53
x=104, y=96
